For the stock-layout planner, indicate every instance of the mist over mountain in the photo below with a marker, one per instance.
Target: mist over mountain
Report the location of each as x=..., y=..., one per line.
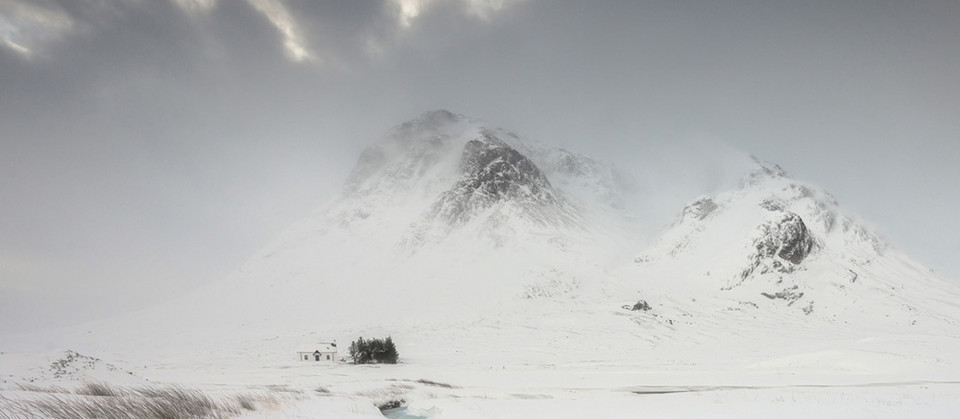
x=449, y=219
x=480, y=252
x=194, y=190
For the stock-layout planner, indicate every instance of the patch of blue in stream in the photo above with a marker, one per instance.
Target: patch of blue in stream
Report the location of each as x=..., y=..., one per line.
x=400, y=413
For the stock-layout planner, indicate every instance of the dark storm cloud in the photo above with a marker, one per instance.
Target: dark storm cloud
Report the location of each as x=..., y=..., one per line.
x=149, y=146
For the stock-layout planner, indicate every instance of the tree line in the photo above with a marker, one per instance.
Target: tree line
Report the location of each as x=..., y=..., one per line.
x=380, y=351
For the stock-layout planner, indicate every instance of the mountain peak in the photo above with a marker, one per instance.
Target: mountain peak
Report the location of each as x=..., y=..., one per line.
x=442, y=172
x=763, y=171
x=409, y=152
x=774, y=236
x=435, y=121
x=493, y=172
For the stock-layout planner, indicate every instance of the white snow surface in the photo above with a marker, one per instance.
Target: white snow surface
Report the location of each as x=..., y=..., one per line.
x=520, y=305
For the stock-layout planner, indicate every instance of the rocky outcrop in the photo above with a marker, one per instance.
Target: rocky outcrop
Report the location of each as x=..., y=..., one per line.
x=787, y=239
x=782, y=245
x=699, y=209
x=790, y=295
x=763, y=172
x=493, y=172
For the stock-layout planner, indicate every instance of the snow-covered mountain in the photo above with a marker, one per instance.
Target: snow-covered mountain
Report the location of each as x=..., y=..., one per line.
x=481, y=252
x=443, y=210
x=448, y=219
x=445, y=171
x=776, y=242
x=468, y=174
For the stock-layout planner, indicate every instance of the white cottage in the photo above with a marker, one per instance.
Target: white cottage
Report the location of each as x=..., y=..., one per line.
x=323, y=351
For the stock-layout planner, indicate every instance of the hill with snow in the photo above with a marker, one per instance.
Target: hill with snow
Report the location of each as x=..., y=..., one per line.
x=776, y=242
x=480, y=252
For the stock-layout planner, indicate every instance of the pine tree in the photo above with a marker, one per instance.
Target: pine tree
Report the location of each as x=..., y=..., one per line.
x=390, y=351
x=374, y=350
x=354, y=351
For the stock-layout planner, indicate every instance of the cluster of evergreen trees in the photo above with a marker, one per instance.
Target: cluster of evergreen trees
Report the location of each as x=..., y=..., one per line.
x=375, y=350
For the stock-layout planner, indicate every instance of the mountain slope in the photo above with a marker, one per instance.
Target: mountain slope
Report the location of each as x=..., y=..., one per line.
x=472, y=246
x=777, y=243
x=443, y=210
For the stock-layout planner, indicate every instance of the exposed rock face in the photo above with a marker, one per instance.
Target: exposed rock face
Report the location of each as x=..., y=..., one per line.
x=787, y=239
x=782, y=245
x=442, y=172
x=763, y=172
x=641, y=305
x=493, y=172
x=791, y=295
x=699, y=209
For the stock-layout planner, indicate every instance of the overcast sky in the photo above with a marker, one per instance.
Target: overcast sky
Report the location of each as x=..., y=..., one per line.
x=149, y=146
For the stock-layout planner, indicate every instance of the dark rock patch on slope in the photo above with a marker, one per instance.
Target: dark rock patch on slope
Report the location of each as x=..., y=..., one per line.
x=493, y=172
x=787, y=239
x=783, y=244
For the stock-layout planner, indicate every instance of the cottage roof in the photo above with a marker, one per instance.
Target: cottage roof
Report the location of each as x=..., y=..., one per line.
x=323, y=347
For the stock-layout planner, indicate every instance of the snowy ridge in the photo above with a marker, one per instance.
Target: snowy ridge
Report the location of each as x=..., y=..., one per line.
x=776, y=241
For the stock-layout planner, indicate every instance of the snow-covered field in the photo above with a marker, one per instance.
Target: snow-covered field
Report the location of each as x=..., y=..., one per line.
x=598, y=366
x=516, y=283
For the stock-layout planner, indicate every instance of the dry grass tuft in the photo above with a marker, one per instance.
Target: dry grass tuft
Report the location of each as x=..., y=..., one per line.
x=100, y=400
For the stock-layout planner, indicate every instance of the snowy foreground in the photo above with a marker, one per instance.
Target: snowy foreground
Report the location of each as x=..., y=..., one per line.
x=558, y=368
x=845, y=379
x=516, y=283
